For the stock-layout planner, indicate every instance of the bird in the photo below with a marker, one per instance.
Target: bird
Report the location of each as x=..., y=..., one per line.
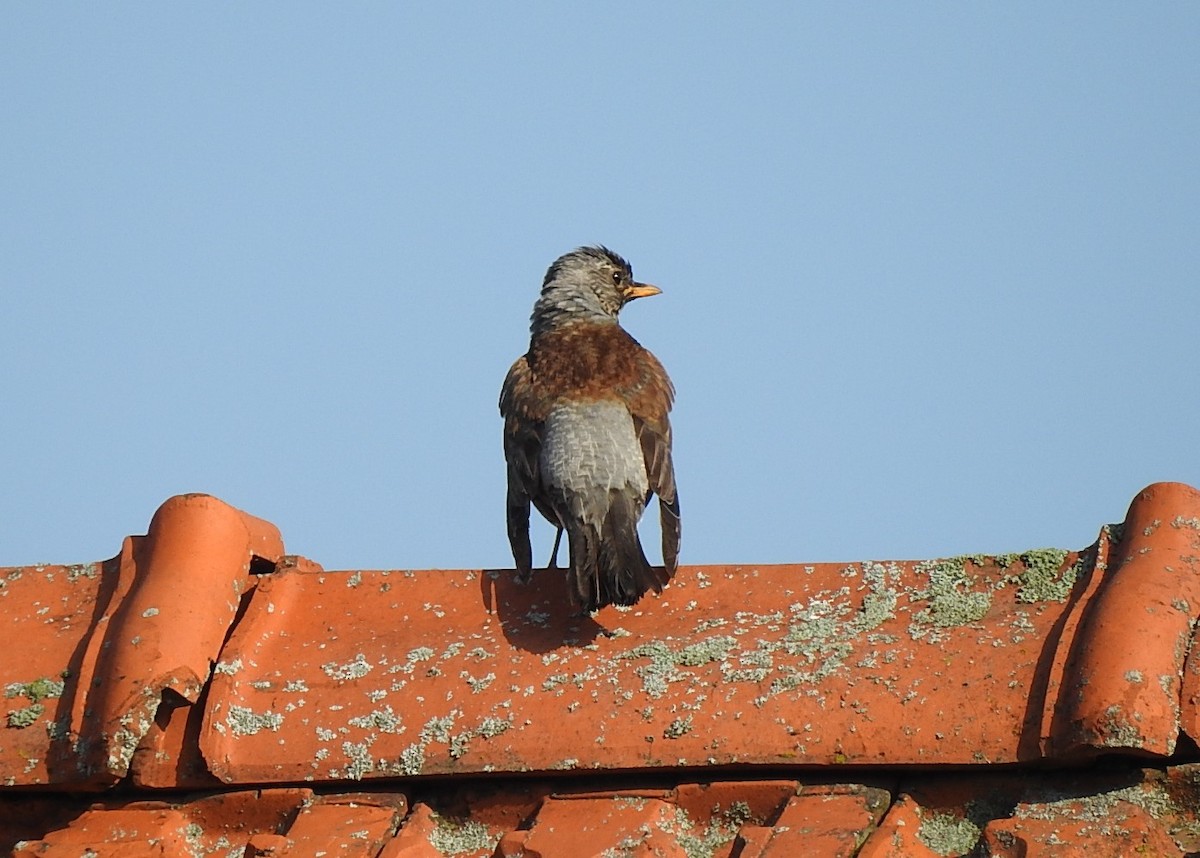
x=587, y=439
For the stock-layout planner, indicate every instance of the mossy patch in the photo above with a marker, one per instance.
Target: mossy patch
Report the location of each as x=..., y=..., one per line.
x=461, y=837
x=19, y=719
x=677, y=728
x=36, y=691
x=947, y=834
x=664, y=661
x=43, y=688
x=960, y=590
x=953, y=599
x=385, y=720
x=243, y=721
x=1044, y=578
x=703, y=841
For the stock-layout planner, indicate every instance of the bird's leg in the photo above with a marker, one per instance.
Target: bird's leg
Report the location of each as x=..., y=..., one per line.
x=553, y=564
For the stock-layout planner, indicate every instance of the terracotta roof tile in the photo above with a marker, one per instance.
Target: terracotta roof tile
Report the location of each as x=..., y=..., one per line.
x=899, y=835
x=132, y=832
x=1128, y=663
x=343, y=827
x=112, y=643
x=1114, y=828
x=1052, y=814
x=483, y=719
x=831, y=821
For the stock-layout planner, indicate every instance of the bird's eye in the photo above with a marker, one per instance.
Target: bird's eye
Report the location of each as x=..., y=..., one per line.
x=616, y=275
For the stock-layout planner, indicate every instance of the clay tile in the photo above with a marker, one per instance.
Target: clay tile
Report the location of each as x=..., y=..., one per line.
x=1096, y=828
x=240, y=814
x=426, y=834
x=103, y=646
x=267, y=846
x=186, y=579
x=755, y=800
x=369, y=674
x=335, y=828
x=899, y=835
x=621, y=824
x=445, y=684
x=464, y=671
x=125, y=833
x=1123, y=684
x=826, y=821
x=46, y=615
x=168, y=755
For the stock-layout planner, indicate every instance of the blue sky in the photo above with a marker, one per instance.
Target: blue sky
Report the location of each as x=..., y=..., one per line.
x=929, y=270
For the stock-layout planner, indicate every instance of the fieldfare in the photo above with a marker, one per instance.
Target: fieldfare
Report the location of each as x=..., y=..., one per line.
x=586, y=434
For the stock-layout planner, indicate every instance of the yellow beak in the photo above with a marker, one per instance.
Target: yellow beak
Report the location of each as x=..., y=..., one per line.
x=641, y=290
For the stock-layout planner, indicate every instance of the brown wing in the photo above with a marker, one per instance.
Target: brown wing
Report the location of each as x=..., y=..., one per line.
x=650, y=396
x=524, y=412
x=522, y=427
x=522, y=441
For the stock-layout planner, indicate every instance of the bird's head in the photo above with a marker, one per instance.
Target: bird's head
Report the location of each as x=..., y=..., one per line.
x=588, y=284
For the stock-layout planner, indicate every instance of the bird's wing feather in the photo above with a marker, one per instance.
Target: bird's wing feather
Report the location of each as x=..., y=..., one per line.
x=649, y=397
x=524, y=406
x=522, y=444
x=522, y=428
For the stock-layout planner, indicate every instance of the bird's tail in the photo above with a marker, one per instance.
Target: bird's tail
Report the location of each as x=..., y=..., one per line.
x=609, y=567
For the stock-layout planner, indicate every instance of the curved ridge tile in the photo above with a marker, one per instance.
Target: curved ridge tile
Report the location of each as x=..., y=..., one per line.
x=1122, y=686
x=369, y=674
x=1189, y=716
x=186, y=578
x=340, y=676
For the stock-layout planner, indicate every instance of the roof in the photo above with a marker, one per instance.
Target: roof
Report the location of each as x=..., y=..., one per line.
x=204, y=692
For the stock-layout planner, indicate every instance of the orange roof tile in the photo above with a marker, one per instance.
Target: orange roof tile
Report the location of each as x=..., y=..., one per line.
x=203, y=657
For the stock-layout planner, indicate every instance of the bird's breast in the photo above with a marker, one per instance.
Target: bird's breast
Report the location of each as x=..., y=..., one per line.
x=584, y=360
x=591, y=444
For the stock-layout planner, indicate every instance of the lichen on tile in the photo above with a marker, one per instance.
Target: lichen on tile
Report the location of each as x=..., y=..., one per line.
x=243, y=721
x=452, y=836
